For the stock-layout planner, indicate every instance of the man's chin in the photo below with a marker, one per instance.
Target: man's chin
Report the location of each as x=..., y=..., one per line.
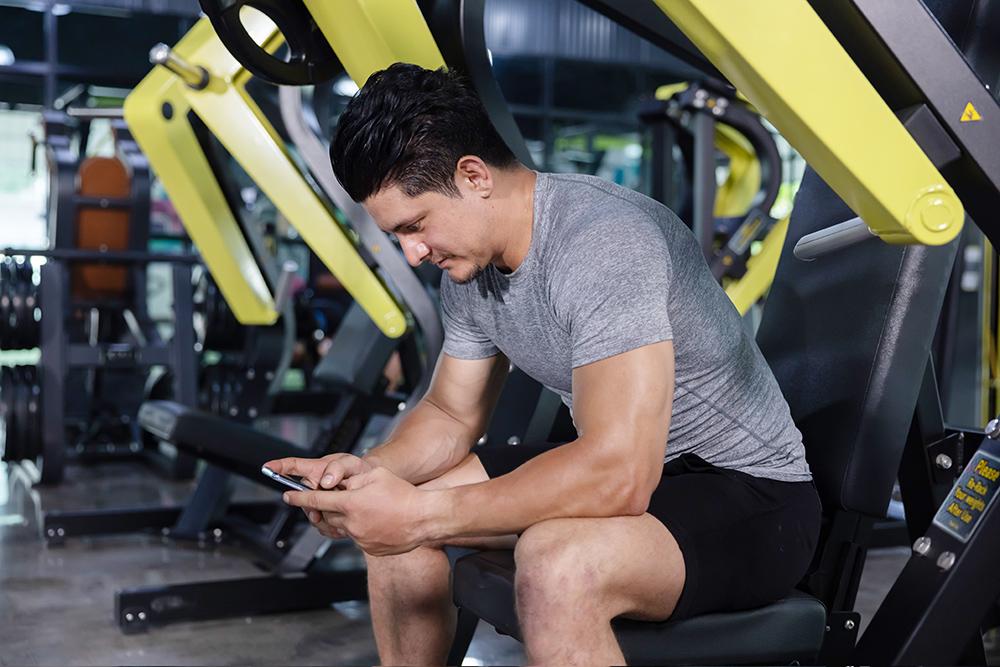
x=464, y=275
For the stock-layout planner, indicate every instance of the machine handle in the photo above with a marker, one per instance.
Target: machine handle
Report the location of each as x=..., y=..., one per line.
x=283, y=291
x=842, y=235
x=195, y=76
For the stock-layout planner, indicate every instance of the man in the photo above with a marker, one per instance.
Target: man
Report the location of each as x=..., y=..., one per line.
x=602, y=295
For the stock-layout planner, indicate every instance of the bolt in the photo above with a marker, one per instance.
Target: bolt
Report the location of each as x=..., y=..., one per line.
x=482, y=441
x=513, y=440
x=129, y=617
x=961, y=437
x=197, y=347
x=280, y=544
x=233, y=411
x=217, y=532
x=251, y=374
x=401, y=407
x=252, y=413
x=60, y=532
x=142, y=616
x=50, y=532
x=849, y=624
x=993, y=429
x=164, y=531
x=946, y=560
x=922, y=546
x=943, y=461
x=269, y=375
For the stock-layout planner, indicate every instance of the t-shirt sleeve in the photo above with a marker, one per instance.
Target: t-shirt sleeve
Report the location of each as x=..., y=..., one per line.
x=463, y=339
x=612, y=288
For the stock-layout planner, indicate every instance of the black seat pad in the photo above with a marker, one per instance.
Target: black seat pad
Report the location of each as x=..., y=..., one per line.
x=788, y=630
x=228, y=444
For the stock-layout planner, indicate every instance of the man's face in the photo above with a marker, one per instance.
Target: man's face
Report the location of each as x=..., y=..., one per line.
x=450, y=232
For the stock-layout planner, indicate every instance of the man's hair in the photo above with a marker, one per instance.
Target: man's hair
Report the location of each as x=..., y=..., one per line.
x=408, y=126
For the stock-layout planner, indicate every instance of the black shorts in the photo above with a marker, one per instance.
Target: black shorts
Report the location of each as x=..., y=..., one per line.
x=746, y=541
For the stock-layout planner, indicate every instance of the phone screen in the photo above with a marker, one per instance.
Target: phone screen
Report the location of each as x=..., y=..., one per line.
x=287, y=481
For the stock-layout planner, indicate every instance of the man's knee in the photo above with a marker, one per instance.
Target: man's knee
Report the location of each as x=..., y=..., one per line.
x=553, y=568
x=417, y=566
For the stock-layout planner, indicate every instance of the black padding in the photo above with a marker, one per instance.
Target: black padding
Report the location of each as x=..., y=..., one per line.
x=357, y=356
x=789, y=630
x=227, y=444
x=848, y=337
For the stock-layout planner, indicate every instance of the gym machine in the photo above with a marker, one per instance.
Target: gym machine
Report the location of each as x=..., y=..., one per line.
x=701, y=118
x=884, y=153
x=88, y=314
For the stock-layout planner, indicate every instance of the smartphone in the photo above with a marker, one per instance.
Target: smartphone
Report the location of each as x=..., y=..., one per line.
x=281, y=479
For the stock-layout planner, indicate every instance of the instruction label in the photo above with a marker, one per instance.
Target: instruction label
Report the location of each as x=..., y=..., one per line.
x=971, y=495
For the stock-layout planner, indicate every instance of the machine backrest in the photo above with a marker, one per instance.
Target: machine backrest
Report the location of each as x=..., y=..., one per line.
x=848, y=337
x=358, y=353
x=99, y=228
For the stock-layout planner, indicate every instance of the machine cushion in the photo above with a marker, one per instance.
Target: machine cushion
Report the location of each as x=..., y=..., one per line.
x=228, y=444
x=98, y=228
x=848, y=337
x=788, y=630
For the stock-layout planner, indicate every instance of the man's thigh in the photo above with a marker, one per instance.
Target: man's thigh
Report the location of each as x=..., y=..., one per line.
x=630, y=565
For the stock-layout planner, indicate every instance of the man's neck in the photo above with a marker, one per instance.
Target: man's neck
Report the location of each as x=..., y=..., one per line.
x=515, y=216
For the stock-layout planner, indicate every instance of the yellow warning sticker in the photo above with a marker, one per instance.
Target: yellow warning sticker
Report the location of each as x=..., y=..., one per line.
x=970, y=114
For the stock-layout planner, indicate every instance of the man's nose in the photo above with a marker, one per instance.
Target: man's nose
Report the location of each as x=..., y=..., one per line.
x=415, y=251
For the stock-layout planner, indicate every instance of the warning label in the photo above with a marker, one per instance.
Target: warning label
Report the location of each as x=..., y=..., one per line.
x=971, y=495
x=970, y=114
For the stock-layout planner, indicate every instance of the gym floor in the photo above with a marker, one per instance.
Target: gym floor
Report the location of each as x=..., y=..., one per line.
x=57, y=603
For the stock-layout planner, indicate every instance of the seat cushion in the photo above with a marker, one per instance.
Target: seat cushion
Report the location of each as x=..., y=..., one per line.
x=789, y=630
x=233, y=446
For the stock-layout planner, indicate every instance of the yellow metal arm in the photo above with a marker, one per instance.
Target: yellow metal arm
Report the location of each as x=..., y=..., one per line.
x=157, y=113
x=785, y=60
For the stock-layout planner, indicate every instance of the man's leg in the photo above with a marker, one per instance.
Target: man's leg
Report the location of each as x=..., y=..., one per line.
x=575, y=575
x=413, y=616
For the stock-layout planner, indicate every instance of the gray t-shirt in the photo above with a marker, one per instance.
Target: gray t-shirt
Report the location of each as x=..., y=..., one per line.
x=610, y=270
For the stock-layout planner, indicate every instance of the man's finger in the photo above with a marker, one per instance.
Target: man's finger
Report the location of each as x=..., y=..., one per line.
x=295, y=466
x=324, y=501
x=340, y=468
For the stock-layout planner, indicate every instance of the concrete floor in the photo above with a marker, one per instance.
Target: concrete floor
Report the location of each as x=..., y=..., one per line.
x=57, y=603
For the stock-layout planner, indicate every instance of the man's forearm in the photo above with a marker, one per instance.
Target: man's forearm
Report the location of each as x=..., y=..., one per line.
x=425, y=444
x=573, y=480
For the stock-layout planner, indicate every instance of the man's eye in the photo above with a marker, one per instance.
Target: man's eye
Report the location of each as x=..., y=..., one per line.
x=413, y=228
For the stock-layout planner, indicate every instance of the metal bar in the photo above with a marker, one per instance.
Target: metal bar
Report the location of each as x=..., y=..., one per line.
x=703, y=182
x=50, y=23
x=52, y=366
x=842, y=235
x=61, y=525
x=195, y=76
x=139, y=608
x=108, y=256
x=90, y=113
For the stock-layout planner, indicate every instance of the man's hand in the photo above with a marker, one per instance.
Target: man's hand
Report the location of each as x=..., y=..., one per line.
x=323, y=473
x=382, y=513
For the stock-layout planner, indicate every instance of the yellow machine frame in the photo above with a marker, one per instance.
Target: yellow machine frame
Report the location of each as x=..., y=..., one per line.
x=157, y=111
x=842, y=127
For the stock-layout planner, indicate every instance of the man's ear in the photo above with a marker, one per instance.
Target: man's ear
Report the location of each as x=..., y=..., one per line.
x=474, y=176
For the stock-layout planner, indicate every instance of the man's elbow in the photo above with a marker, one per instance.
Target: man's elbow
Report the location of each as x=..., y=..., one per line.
x=630, y=497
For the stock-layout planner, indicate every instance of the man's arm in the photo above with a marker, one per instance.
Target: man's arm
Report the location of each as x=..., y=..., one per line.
x=438, y=433
x=622, y=410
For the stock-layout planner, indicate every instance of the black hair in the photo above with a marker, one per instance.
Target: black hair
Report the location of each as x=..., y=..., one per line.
x=408, y=126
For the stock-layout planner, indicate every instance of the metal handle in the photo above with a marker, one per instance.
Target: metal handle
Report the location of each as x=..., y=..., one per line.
x=283, y=292
x=195, y=76
x=88, y=112
x=817, y=244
